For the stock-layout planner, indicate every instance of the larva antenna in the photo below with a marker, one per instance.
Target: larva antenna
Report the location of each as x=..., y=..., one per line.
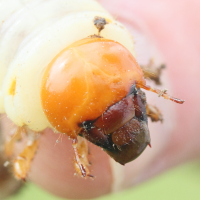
x=160, y=93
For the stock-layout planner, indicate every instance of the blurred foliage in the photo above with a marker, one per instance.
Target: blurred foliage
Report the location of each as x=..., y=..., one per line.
x=180, y=183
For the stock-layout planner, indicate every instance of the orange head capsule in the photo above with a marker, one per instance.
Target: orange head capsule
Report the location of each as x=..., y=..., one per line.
x=89, y=89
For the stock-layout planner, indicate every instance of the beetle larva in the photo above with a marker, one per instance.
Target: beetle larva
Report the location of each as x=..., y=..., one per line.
x=69, y=65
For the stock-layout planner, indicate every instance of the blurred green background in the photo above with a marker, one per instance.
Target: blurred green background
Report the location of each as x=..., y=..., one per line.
x=180, y=183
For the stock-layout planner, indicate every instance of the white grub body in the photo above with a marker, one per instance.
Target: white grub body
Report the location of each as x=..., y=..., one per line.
x=32, y=33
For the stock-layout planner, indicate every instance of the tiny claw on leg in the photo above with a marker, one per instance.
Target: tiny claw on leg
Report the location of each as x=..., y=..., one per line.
x=161, y=93
x=22, y=163
x=81, y=152
x=150, y=145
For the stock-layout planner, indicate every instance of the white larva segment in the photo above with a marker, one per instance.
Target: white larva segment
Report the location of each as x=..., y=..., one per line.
x=7, y=7
x=34, y=53
x=23, y=21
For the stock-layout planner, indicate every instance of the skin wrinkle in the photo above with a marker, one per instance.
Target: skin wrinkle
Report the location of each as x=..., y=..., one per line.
x=78, y=54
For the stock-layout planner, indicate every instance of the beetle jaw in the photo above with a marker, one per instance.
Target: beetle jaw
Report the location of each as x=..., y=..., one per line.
x=127, y=152
x=130, y=138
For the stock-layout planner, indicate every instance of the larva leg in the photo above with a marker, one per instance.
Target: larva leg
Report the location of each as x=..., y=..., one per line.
x=152, y=72
x=22, y=162
x=81, y=164
x=154, y=113
x=8, y=184
x=9, y=145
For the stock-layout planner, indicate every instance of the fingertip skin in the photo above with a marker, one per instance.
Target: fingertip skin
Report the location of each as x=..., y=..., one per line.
x=53, y=169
